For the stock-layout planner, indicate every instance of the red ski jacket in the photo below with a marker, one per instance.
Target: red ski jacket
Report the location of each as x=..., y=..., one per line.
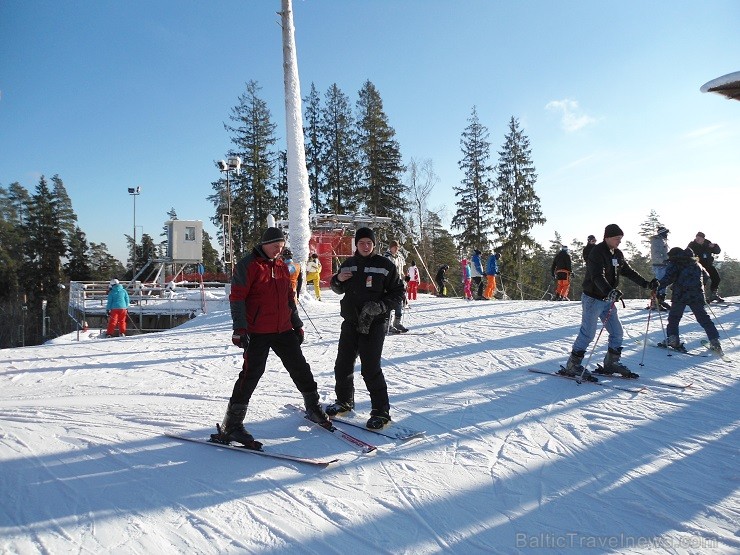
x=262, y=299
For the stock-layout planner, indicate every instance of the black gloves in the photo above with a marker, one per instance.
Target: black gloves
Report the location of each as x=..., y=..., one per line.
x=369, y=311
x=299, y=333
x=654, y=284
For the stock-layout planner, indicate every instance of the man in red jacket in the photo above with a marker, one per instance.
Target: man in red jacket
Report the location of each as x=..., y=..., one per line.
x=264, y=315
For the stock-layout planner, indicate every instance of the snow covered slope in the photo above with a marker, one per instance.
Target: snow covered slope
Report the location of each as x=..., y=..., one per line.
x=512, y=462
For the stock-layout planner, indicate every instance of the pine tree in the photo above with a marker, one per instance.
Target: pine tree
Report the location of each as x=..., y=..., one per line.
x=211, y=261
x=315, y=149
x=14, y=203
x=252, y=190
x=10, y=254
x=517, y=206
x=164, y=243
x=475, y=206
x=103, y=265
x=65, y=212
x=43, y=249
x=341, y=161
x=649, y=227
x=640, y=263
x=382, y=192
x=78, y=267
x=441, y=247
x=280, y=210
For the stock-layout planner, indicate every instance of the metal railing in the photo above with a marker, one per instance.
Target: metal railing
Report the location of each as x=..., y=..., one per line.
x=152, y=306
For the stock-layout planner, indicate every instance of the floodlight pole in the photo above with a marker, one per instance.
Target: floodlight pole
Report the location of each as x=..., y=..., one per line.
x=134, y=192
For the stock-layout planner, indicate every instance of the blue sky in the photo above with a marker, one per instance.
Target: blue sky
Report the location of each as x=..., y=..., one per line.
x=111, y=95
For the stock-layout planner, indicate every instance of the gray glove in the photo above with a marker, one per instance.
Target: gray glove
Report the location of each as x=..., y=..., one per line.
x=369, y=311
x=614, y=295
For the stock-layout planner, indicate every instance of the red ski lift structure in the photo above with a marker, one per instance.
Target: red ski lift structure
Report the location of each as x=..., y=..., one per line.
x=332, y=237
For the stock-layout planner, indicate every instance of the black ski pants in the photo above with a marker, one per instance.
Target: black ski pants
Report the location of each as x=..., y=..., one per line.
x=478, y=285
x=713, y=276
x=369, y=347
x=286, y=347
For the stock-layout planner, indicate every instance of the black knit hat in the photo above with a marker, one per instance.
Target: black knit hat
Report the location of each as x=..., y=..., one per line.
x=591, y=238
x=612, y=230
x=272, y=235
x=678, y=252
x=364, y=233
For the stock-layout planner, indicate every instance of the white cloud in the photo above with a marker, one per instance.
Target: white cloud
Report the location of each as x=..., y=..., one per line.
x=572, y=118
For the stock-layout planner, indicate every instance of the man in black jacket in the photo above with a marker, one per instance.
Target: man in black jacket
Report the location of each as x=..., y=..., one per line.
x=604, y=267
x=371, y=286
x=589, y=246
x=704, y=250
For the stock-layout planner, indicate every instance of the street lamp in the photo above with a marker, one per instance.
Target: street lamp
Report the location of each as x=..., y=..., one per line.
x=233, y=164
x=134, y=192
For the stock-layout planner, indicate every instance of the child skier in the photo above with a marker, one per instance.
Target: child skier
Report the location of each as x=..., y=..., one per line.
x=686, y=275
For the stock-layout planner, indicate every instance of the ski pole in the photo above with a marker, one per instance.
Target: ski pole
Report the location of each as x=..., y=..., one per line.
x=720, y=324
x=608, y=315
x=309, y=319
x=547, y=292
x=662, y=327
x=647, y=327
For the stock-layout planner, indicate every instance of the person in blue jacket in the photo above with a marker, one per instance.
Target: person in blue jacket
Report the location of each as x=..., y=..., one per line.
x=117, y=308
x=686, y=274
x=492, y=272
x=477, y=273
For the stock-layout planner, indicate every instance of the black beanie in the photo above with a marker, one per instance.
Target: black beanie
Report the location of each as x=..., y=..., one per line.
x=612, y=230
x=364, y=233
x=272, y=235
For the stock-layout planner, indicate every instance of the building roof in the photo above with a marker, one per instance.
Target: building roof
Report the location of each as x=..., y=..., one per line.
x=727, y=85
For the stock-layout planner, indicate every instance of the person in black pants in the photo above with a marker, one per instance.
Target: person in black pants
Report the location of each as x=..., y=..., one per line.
x=371, y=286
x=440, y=280
x=264, y=317
x=705, y=250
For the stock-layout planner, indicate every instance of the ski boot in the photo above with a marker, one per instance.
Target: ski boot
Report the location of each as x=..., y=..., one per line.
x=378, y=420
x=313, y=409
x=715, y=347
x=339, y=407
x=612, y=365
x=714, y=297
x=399, y=326
x=232, y=428
x=574, y=369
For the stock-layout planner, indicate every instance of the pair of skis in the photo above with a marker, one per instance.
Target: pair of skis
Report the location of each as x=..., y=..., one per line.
x=684, y=351
x=641, y=387
x=396, y=432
